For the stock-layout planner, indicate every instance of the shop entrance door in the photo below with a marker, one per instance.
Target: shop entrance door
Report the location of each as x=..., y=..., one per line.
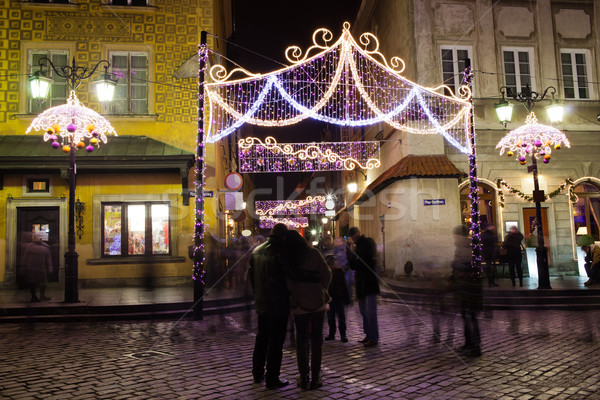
x=44, y=223
x=530, y=228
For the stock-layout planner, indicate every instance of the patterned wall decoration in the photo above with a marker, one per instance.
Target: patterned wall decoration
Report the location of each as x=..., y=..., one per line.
x=170, y=30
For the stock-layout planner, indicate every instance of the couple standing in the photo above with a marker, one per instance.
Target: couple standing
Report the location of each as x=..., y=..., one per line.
x=287, y=274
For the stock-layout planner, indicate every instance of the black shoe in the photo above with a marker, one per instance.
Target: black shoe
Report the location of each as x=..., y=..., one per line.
x=316, y=383
x=279, y=383
x=259, y=379
x=344, y=339
x=370, y=343
x=303, y=382
x=44, y=298
x=330, y=337
x=365, y=340
x=35, y=300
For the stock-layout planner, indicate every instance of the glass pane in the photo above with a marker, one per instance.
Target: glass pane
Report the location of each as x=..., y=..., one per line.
x=160, y=228
x=509, y=56
x=112, y=231
x=136, y=224
x=523, y=57
x=594, y=207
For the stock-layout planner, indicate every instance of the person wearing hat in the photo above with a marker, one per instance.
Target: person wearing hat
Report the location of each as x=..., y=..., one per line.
x=340, y=298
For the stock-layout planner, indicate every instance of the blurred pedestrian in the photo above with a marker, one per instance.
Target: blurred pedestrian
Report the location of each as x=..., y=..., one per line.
x=466, y=283
x=362, y=258
x=37, y=261
x=267, y=277
x=489, y=242
x=592, y=263
x=339, y=251
x=512, y=244
x=339, y=300
x=308, y=303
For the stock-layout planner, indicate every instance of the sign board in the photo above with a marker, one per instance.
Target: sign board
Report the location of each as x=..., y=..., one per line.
x=233, y=181
x=234, y=201
x=434, y=202
x=330, y=213
x=208, y=193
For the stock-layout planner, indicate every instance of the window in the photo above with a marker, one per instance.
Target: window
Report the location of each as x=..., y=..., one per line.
x=586, y=212
x=454, y=61
x=37, y=185
x=131, y=93
x=59, y=90
x=135, y=229
x=575, y=73
x=487, y=204
x=518, y=71
x=50, y=1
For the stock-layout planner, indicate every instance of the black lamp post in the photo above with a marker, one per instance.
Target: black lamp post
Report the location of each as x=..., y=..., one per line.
x=40, y=85
x=555, y=113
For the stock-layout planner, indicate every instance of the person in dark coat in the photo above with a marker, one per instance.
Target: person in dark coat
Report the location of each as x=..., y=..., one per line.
x=38, y=264
x=468, y=292
x=489, y=242
x=512, y=244
x=272, y=305
x=340, y=298
x=362, y=258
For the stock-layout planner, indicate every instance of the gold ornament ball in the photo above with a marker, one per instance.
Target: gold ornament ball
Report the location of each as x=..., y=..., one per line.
x=557, y=146
x=90, y=128
x=523, y=162
x=66, y=149
x=510, y=153
x=547, y=157
x=56, y=128
x=80, y=145
x=94, y=141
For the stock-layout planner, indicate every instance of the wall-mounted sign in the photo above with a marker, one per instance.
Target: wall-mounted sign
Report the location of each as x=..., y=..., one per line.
x=233, y=181
x=208, y=193
x=434, y=202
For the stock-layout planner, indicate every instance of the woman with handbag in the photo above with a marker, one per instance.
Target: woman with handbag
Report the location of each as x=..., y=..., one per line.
x=308, y=302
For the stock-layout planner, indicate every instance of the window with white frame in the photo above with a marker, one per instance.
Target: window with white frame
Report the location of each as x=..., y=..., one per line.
x=135, y=229
x=59, y=90
x=518, y=69
x=454, y=61
x=131, y=93
x=575, y=73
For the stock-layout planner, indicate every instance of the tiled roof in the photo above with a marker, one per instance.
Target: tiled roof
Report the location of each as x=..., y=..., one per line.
x=426, y=166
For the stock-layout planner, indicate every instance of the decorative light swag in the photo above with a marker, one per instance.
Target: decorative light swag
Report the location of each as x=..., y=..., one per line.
x=345, y=84
x=70, y=124
x=312, y=205
x=268, y=222
x=270, y=156
x=532, y=139
x=567, y=183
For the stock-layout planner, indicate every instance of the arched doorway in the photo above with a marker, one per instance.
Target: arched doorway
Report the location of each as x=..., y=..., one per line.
x=586, y=212
x=487, y=205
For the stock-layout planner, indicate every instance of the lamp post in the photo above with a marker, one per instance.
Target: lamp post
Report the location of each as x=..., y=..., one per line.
x=67, y=126
x=534, y=140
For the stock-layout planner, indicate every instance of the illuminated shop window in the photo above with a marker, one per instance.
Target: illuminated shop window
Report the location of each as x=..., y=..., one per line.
x=586, y=212
x=487, y=205
x=135, y=229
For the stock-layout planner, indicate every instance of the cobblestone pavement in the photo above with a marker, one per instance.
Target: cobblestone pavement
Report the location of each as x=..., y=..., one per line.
x=526, y=355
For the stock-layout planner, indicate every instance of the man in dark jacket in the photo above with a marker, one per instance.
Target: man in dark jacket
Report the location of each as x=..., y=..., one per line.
x=272, y=306
x=362, y=257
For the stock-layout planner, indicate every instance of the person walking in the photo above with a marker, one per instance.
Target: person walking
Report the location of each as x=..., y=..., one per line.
x=267, y=277
x=592, y=263
x=338, y=290
x=308, y=303
x=468, y=292
x=512, y=244
x=489, y=241
x=362, y=258
x=37, y=261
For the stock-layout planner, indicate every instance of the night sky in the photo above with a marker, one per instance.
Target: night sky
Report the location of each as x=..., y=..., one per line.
x=263, y=30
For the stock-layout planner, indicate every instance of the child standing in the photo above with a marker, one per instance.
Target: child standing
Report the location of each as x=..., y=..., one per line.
x=338, y=291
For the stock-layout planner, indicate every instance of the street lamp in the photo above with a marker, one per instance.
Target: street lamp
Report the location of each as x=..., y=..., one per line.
x=68, y=126
x=537, y=141
x=528, y=97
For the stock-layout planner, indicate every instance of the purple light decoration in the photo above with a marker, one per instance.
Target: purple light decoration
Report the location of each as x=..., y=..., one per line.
x=312, y=205
x=268, y=222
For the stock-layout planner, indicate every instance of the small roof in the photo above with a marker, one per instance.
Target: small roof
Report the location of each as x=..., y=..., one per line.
x=31, y=152
x=425, y=166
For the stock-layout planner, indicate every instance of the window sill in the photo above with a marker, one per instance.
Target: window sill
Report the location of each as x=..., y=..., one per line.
x=135, y=260
x=55, y=6
x=130, y=116
x=148, y=9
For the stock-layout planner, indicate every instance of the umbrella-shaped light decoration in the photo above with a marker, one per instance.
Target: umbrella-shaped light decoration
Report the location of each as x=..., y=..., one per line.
x=69, y=125
x=532, y=139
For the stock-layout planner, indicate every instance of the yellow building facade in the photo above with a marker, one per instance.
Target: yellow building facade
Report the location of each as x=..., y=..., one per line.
x=134, y=215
